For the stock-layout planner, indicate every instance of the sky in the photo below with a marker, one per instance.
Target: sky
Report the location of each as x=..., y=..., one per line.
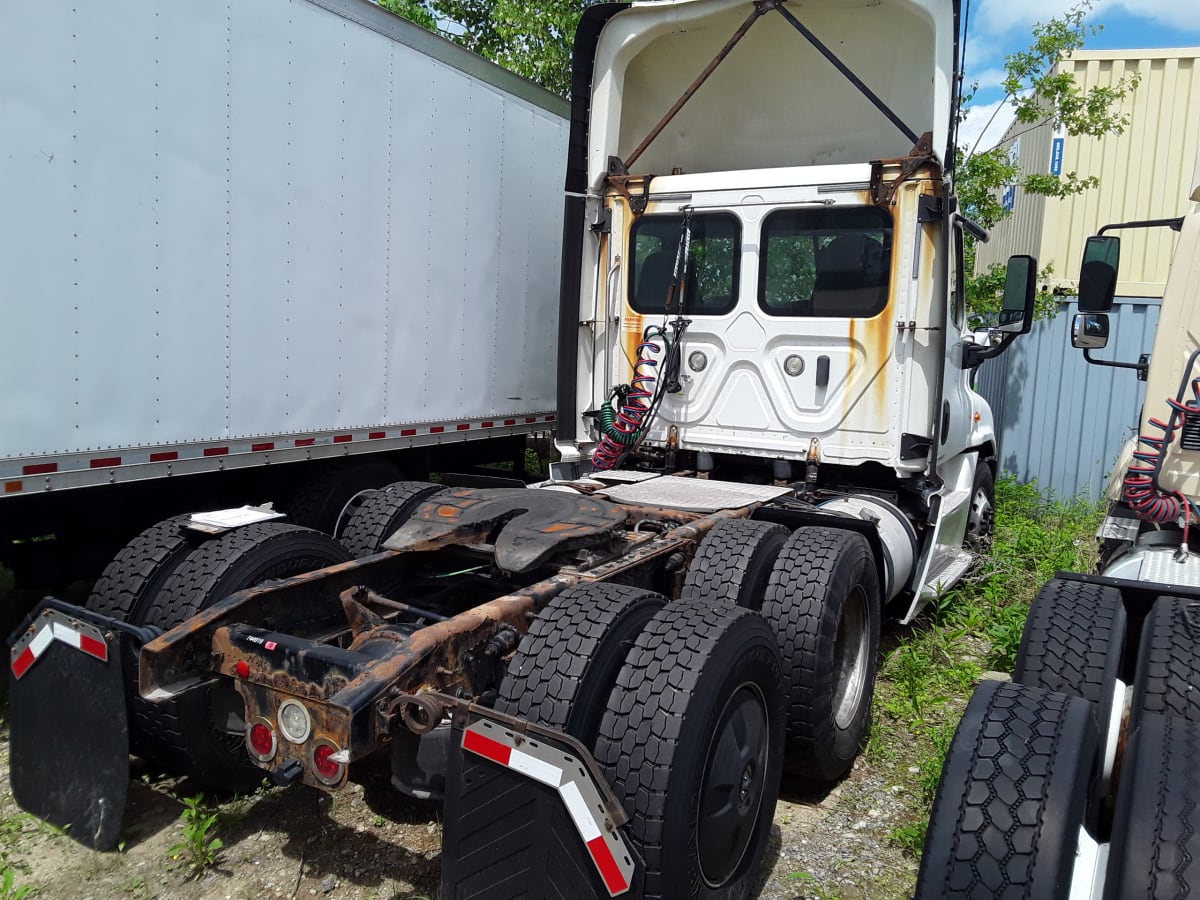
x=1000, y=27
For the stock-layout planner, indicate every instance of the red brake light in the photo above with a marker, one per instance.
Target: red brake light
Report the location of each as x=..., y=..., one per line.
x=327, y=769
x=261, y=739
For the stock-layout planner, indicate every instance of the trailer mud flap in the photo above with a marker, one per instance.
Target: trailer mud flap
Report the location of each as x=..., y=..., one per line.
x=69, y=739
x=523, y=818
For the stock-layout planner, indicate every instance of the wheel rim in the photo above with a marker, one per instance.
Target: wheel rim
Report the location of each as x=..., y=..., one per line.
x=979, y=521
x=850, y=652
x=732, y=790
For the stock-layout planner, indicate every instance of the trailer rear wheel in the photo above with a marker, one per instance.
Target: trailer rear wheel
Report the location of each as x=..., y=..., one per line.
x=567, y=663
x=1155, y=849
x=733, y=562
x=823, y=602
x=134, y=576
x=1073, y=641
x=180, y=734
x=1012, y=797
x=378, y=517
x=692, y=744
x=1168, y=662
x=320, y=501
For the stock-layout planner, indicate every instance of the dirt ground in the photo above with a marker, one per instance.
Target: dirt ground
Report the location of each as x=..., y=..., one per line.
x=373, y=844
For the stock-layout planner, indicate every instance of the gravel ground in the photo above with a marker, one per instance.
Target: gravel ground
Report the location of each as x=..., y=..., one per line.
x=371, y=843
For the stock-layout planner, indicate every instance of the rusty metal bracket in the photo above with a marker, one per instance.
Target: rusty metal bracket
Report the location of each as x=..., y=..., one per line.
x=432, y=707
x=625, y=184
x=884, y=193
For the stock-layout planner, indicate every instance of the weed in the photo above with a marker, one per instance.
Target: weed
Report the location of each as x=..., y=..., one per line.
x=813, y=889
x=199, y=849
x=9, y=889
x=910, y=838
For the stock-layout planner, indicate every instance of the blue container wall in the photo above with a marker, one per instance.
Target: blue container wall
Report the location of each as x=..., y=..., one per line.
x=1060, y=420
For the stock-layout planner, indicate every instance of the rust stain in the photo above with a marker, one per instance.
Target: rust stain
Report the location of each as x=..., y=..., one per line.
x=448, y=512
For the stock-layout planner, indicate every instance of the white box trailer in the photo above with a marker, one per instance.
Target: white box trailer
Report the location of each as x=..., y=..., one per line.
x=244, y=234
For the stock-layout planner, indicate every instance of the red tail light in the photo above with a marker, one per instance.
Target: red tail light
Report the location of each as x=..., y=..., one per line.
x=260, y=738
x=325, y=767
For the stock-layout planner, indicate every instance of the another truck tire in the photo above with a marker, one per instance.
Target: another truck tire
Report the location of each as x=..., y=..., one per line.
x=1012, y=797
x=692, y=744
x=733, y=563
x=319, y=500
x=823, y=602
x=377, y=519
x=179, y=734
x=981, y=518
x=1073, y=643
x=134, y=576
x=566, y=665
x=1168, y=661
x=1155, y=849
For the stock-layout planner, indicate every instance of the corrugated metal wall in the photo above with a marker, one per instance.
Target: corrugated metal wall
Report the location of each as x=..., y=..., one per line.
x=1058, y=419
x=1144, y=173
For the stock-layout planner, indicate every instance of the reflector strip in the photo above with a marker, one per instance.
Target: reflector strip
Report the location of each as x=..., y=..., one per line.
x=488, y=424
x=39, y=469
x=106, y=462
x=216, y=451
x=166, y=456
x=463, y=426
x=14, y=487
x=602, y=846
x=437, y=429
x=376, y=435
x=305, y=442
x=262, y=448
x=56, y=626
x=408, y=432
x=342, y=438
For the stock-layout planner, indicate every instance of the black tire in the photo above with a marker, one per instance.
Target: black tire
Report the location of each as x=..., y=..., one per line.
x=1073, y=643
x=981, y=519
x=179, y=734
x=566, y=665
x=134, y=576
x=1155, y=849
x=698, y=705
x=1012, y=798
x=318, y=501
x=733, y=563
x=377, y=519
x=1168, y=661
x=823, y=602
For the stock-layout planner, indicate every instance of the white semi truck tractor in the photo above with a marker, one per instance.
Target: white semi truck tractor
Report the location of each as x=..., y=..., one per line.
x=769, y=445
x=1081, y=779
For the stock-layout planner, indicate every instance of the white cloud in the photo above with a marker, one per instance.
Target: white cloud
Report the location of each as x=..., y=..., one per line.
x=998, y=17
x=984, y=125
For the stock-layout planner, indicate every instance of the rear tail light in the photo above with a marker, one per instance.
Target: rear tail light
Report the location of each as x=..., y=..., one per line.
x=261, y=740
x=325, y=767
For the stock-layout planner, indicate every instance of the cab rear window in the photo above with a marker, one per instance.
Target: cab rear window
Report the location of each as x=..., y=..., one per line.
x=832, y=262
x=713, y=275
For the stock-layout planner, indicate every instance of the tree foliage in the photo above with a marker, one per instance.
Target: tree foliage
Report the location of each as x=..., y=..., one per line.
x=1039, y=94
x=531, y=39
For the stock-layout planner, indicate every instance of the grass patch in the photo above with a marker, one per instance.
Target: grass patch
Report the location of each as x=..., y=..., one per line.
x=929, y=673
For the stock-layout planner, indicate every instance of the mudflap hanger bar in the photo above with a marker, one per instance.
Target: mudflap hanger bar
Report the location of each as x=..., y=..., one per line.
x=571, y=788
x=618, y=174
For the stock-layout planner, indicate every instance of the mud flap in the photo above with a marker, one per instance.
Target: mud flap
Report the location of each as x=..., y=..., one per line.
x=524, y=819
x=69, y=738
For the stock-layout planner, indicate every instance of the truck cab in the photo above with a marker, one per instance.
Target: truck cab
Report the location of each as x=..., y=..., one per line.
x=762, y=279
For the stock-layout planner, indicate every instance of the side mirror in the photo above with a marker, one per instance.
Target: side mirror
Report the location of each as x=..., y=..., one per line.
x=1020, y=290
x=1098, y=274
x=1089, y=331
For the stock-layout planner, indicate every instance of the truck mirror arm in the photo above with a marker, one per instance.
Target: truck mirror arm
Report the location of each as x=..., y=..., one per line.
x=1142, y=365
x=974, y=354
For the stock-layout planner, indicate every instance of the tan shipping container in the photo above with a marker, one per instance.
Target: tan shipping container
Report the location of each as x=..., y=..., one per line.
x=1144, y=173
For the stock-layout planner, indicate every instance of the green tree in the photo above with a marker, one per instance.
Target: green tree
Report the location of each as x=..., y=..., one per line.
x=1038, y=94
x=531, y=39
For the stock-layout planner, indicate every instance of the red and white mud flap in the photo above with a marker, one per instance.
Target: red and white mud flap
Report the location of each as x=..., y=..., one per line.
x=525, y=817
x=69, y=737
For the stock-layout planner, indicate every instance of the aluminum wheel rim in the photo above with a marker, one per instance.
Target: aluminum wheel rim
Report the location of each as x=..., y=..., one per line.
x=980, y=518
x=850, y=657
x=731, y=791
